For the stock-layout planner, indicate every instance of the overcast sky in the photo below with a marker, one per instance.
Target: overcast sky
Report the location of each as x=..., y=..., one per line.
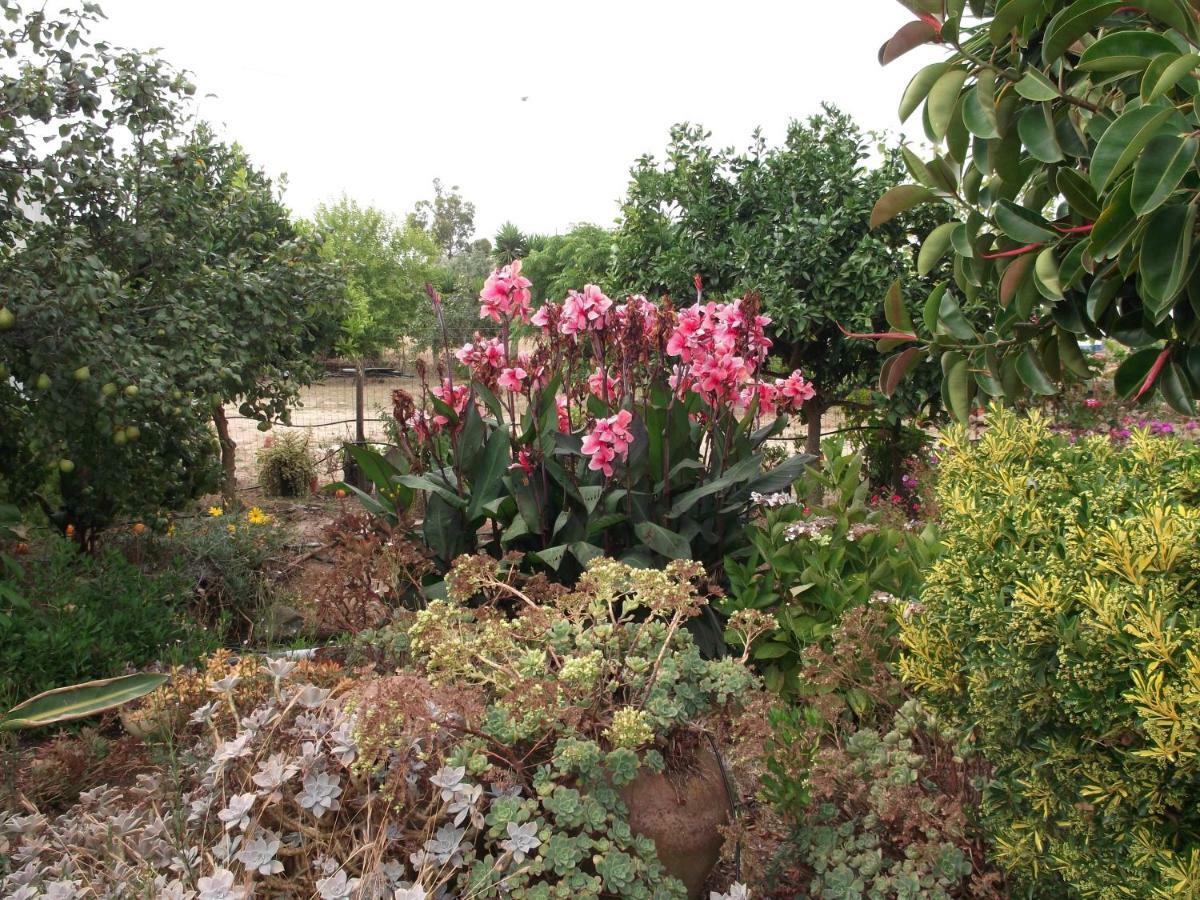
x=375, y=99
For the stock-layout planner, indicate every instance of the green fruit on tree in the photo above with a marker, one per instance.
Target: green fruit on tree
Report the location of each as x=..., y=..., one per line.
x=83, y=373
x=65, y=466
x=43, y=382
x=132, y=432
x=177, y=394
x=119, y=437
x=131, y=390
x=108, y=390
x=7, y=319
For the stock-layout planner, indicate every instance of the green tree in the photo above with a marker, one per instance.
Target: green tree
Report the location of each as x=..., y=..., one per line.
x=790, y=222
x=384, y=266
x=149, y=276
x=1066, y=142
x=448, y=217
x=558, y=263
x=510, y=243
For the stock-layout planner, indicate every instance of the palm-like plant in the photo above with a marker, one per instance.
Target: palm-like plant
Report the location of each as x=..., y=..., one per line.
x=510, y=243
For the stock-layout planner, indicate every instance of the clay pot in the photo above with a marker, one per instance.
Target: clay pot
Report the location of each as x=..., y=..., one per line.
x=682, y=813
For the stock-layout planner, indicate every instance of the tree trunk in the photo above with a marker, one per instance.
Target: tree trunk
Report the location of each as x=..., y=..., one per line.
x=228, y=455
x=813, y=411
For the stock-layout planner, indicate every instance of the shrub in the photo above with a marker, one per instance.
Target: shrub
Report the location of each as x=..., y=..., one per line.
x=631, y=430
x=1061, y=630
x=806, y=566
x=286, y=467
x=79, y=617
x=227, y=556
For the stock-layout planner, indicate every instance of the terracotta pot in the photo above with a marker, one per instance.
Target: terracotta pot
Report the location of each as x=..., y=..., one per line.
x=682, y=813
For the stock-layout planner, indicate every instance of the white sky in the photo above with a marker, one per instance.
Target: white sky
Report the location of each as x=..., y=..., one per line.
x=376, y=98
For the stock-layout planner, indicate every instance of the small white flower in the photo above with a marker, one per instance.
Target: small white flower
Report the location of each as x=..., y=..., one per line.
x=259, y=854
x=320, y=793
x=447, y=845
x=337, y=886
x=279, y=668
x=237, y=813
x=219, y=886
x=225, y=685
x=416, y=892
x=203, y=715
x=448, y=779
x=737, y=891
x=311, y=696
x=522, y=840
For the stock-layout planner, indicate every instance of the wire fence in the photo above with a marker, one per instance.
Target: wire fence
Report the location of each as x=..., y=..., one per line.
x=326, y=413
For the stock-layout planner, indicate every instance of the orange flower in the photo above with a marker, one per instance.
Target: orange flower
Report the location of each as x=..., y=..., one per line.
x=70, y=531
x=340, y=493
x=138, y=527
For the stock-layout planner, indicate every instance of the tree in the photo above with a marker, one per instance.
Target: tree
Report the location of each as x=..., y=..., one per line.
x=558, y=263
x=448, y=217
x=791, y=223
x=149, y=276
x=384, y=267
x=1066, y=141
x=510, y=244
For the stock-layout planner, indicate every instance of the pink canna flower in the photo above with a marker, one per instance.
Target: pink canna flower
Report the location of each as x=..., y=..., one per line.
x=505, y=293
x=793, y=392
x=513, y=379
x=454, y=396
x=1091, y=403
x=481, y=354
x=524, y=462
x=564, y=414
x=586, y=311
x=602, y=385
x=547, y=316
x=608, y=442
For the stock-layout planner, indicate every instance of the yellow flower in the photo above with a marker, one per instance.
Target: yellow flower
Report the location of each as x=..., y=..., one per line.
x=257, y=517
x=171, y=530
x=232, y=529
x=215, y=511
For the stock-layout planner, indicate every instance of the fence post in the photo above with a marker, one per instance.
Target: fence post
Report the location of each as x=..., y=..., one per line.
x=360, y=384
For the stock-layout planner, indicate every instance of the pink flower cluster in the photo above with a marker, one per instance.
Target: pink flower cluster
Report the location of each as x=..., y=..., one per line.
x=506, y=294
x=604, y=385
x=453, y=395
x=608, y=440
x=482, y=353
x=582, y=311
x=724, y=348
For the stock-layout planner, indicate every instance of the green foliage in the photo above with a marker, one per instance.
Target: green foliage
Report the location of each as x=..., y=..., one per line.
x=790, y=222
x=1066, y=145
x=384, y=266
x=877, y=797
x=287, y=468
x=448, y=218
x=78, y=701
x=1060, y=628
x=562, y=262
x=79, y=617
x=148, y=275
x=509, y=244
x=806, y=567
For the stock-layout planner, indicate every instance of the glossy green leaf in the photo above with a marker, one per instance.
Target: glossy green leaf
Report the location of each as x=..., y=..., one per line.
x=662, y=541
x=1022, y=225
x=929, y=313
x=943, y=100
x=1132, y=372
x=1033, y=374
x=1045, y=270
x=979, y=114
x=1165, y=72
x=935, y=247
x=1124, y=51
x=894, y=311
x=1037, y=131
x=1072, y=23
x=956, y=385
x=1071, y=356
x=918, y=88
x=950, y=316
x=1166, y=251
x=1174, y=13
x=1080, y=194
x=1173, y=386
x=1115, y=225
x=1008, y=16
x=896, y=367
x=1036, y=86
x=897, y=200
x=1159, y=170
x=1123, y=140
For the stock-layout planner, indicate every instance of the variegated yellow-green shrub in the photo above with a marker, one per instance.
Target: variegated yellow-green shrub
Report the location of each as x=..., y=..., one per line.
x=1061, y=627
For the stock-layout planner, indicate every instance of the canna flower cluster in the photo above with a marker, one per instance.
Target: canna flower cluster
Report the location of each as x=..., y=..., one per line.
x=608, y=440
x=505, y=294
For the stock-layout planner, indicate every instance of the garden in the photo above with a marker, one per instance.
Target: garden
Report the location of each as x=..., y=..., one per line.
x=828, y=527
